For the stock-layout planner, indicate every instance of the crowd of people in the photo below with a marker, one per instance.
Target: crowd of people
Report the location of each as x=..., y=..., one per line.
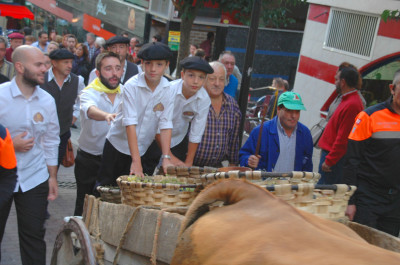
x=135, y=121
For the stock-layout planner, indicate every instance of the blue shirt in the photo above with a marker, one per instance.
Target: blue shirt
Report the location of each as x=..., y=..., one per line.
x=287, y=144
x=231, y=87
x=36, y=44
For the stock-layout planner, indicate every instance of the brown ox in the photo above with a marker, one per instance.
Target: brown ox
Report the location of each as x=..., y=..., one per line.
x=255, y=227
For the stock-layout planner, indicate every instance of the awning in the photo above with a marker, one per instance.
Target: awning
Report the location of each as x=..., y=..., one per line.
x=15, y=11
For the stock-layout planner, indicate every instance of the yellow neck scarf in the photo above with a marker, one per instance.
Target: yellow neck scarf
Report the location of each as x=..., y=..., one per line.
x=97, y=85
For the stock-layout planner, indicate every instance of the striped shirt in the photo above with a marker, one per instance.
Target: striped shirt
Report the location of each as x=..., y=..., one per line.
x=7, y=69
x=221, y=137
x=287, y=146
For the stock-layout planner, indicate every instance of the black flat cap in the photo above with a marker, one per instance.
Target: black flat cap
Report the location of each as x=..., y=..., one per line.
x=61, y=54
x=197, y=63
x=155, y=51
x=117, y=39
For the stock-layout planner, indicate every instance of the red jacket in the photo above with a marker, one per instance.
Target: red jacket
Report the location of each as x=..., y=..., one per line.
x=336, y=133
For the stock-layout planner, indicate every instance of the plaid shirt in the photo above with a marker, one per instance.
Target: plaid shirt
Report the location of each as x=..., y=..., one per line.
x=221, y=137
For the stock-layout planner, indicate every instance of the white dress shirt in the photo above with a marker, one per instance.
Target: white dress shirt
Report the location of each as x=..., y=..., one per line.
x=93, y=133
x=144, y=108
x=38, y=117
x=81, y=86
x=194, y=109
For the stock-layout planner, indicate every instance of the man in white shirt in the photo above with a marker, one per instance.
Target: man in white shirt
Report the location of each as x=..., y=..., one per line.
x=147, y=105
x=191, y=107
x=99, y=103
x=30, y=115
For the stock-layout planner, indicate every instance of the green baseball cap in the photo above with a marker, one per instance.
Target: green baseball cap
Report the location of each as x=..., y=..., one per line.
x=291, y=100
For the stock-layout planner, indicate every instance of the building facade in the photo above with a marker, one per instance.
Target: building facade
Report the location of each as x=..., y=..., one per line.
x=346, y=31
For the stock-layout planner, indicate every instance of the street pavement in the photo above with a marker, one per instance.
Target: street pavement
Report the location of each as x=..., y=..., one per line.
x=63, y=206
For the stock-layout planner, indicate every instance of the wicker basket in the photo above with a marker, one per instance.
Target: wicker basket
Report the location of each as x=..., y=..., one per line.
x=189, y=175
x=264, y=178
x=157, y=194
x=110, y=194
x=327, y=201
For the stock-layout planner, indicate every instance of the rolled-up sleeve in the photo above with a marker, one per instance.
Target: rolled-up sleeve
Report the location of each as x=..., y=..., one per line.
x=51, y=138
x=87, y=100
x=129, y=111
x=165, y=121
x=198, y=124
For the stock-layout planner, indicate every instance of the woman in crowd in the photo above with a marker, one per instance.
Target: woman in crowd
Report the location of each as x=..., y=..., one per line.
x=81, y=65
x=52, y=46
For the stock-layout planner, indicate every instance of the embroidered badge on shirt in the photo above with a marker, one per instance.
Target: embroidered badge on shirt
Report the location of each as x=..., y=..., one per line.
x=158, y=107
x=188, y=113
x=38, y=117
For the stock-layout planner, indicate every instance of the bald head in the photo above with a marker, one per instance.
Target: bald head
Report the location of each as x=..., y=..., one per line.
x=24, y=52
x=29, y=64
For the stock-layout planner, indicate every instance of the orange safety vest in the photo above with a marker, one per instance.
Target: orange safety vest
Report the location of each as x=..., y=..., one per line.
x=7, y=153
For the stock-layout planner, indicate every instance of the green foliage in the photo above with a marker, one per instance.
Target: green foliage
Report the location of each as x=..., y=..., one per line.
x=274, y=12
x=390, y=14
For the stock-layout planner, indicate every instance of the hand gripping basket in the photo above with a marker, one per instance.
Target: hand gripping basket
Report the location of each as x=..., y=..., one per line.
x=327, y=201
x=110, y=194
x=264, y=178
x=162, y=195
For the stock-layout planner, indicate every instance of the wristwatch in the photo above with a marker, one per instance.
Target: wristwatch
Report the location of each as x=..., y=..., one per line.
x=166, y=156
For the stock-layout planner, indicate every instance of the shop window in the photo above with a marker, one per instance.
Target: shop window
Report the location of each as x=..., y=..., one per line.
x=351, y=33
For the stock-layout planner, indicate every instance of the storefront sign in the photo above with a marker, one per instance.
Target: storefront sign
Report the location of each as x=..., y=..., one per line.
x=120, y=15
x=174, y=38
x=93, y=25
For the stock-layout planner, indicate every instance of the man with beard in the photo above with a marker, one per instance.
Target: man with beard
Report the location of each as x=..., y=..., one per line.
x=120, y=46
x=29, y=113
x=334, y=139
x=99, y=104
x=64, y=86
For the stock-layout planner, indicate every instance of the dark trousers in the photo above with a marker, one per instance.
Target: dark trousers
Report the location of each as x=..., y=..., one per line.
x=86, y=170
x=62, y=148
x=8, y=179
x=113, y=165
x=334, y=177
x=378, y=208
x=152, y=156
x=31, y=215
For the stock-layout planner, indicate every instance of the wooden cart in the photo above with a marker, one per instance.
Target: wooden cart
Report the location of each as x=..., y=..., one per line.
x=142, y=235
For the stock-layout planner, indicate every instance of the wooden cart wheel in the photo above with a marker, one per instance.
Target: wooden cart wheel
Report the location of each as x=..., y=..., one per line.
x=73, y=246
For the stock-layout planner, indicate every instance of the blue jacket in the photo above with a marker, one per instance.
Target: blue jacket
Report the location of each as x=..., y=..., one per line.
x=269, y=148
x=231, y=88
